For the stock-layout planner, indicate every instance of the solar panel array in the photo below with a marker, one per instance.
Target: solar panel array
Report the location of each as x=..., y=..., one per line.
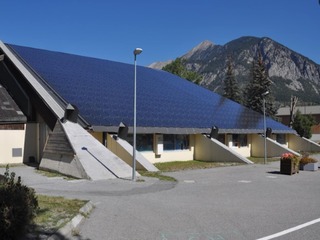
x=103, y=92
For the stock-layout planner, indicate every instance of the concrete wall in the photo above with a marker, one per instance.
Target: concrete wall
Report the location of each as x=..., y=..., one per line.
x=59, y=156
x=12, y=144
x=124, y=150
x=257, y=149
x=66, y=164
x=97, y=135
x=298, y=144
x=31, y=146
x=274, y=149
x=212, y=150
x=169, y=156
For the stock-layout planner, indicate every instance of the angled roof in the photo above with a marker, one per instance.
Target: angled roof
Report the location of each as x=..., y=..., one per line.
x=9, y=111
x=103, y=92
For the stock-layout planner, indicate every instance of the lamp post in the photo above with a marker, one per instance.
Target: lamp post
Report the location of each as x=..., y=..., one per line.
x=265, y=125
x=136, y=52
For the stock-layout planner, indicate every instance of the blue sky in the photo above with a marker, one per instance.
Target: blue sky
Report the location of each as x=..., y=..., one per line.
x=164, y=29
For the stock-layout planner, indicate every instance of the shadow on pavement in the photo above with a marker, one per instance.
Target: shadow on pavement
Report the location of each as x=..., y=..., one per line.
x=49, y=234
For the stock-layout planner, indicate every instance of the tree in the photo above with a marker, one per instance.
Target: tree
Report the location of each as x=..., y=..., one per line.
x=178, y=68
x=302, y=124
x=231, y=88
x=293, y=104
x=257, y=86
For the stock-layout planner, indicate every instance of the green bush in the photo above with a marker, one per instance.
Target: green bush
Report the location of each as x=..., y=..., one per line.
x=18, y=206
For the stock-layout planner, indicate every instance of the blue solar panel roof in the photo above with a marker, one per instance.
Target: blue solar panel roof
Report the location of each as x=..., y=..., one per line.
x=103, y=92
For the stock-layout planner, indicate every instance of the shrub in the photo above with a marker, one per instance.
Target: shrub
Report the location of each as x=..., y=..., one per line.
x=306, y=159
x=18, y=206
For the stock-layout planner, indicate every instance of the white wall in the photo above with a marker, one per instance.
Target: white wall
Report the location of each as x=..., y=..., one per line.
x=10, y=140
x=242, y=150
x=169, y=156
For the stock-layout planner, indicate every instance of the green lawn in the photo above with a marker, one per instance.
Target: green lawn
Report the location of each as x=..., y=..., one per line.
x=180, y=166
x=261, y=160
x=189, y=165
x=54, y=213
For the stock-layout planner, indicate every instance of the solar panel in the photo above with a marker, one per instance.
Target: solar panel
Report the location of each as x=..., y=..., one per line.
x=103, y=92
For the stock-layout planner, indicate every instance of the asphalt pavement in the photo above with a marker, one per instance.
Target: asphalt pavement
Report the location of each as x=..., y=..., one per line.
x=235, y=203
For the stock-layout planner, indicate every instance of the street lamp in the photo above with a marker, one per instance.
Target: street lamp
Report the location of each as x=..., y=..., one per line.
x=136, y=52
x=265, y=125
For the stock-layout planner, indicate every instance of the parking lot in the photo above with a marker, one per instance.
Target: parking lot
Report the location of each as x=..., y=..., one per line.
x=234, y=203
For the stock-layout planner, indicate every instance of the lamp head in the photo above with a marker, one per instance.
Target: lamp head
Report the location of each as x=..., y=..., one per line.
x=137, y=51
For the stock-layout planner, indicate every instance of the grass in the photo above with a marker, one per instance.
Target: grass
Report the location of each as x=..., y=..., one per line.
x=180, y=166
x=11, y=165
x=190, y=165
x=261, y=160
x=54, y=213
x=54, y=174
x=158, y=175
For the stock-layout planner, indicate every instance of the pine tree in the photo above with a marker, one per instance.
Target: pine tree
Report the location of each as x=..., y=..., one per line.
x=302, y=124
x=258, y=85
x=231, y=88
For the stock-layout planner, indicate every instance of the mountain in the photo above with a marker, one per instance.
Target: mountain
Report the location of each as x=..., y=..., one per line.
x=290, y=72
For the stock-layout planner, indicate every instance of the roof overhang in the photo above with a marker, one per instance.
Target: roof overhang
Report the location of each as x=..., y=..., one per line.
x=168, y=130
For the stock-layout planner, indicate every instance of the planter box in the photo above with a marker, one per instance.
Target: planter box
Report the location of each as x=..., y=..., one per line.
x=287, y=167
x=309, y=167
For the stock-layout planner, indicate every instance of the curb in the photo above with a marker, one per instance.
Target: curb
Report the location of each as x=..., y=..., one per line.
x=67, y=230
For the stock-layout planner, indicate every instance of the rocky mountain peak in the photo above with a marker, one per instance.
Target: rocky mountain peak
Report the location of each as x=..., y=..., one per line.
x=290, y=72
x=199, y=49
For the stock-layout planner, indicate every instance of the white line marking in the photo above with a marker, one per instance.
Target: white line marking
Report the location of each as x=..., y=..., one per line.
x=271, y=177
x=189, y=181
x=290, y=230
x=244, y=181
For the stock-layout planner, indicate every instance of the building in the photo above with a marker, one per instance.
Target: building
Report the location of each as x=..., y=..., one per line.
x=71, y=102
x=12, y=130
x=284, y=115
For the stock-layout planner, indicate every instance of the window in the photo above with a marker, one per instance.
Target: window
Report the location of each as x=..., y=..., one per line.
x=239, y=140
x=222, y=138
x=175, y=142
x=16, y=152
x=144, y=142
x=281, y=138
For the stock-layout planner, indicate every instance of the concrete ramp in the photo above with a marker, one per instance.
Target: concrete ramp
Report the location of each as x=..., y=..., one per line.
x=215, y=151
x=124, y=150
x=274, y=149
x=298, y=143
x=88, y=158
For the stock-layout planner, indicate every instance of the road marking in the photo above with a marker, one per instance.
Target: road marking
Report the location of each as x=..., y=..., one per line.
x=271, y=177
x=290, y=230
x=189, y=181
x=244, y=181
